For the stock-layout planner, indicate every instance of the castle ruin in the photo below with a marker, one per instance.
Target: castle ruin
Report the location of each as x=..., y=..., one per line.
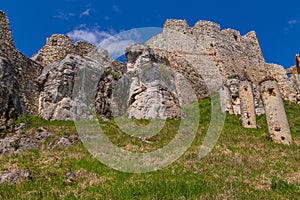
x=211, y=59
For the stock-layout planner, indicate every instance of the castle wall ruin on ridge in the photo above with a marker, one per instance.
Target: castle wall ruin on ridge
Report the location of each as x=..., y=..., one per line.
x=211, y=59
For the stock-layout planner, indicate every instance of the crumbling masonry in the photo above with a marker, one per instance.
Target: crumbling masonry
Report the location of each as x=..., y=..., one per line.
x=277, y=121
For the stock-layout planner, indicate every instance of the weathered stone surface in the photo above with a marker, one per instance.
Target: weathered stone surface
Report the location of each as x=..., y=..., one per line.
x=292, y=70
x=230, y=97
x=99, y=73
x=276, y=117
x=184, y=70
x=7, y=44
x=217, y=56
x=298, y=64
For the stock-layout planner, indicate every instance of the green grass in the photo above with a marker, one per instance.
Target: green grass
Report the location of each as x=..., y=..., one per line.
x=244, y=164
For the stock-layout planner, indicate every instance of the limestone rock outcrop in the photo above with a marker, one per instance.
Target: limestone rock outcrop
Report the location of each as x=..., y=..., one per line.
x=149, y=86
x=57, y=82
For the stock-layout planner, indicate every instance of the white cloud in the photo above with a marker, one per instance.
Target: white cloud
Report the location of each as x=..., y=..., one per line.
x=64, y=16
x=116, y=8
x=293, y=22
x=87, y=12
x=115, y=44
x=93, y=36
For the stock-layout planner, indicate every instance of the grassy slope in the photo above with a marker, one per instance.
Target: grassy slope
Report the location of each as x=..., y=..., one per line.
x=244, y=164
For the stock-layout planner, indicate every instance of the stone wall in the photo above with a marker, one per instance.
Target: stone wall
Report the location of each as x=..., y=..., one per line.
x=216, y=55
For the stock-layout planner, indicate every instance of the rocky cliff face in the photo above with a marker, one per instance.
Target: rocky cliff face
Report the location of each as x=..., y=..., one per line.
x=158, y=78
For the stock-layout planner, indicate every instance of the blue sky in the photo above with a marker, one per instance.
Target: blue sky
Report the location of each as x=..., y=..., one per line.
x=277, y=23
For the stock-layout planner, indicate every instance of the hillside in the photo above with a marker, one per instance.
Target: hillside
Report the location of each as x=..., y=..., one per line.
x=244, y=164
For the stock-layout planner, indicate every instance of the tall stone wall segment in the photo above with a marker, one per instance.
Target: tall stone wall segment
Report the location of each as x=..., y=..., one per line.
x=6, y=37
x=18, y=75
